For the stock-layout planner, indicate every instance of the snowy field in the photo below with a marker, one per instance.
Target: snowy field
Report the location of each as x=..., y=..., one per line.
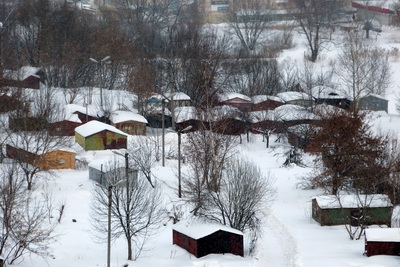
x=290, y=237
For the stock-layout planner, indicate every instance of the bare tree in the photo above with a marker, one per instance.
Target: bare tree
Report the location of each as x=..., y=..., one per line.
x=145, y=155
x=362, y=68
x=249, y=20
x=254, y=76
x=289, y=75
x=313, y=16
x=25, y=221
x=207, y=154
x=136, y=210
x=33, y=139
x=243, y=198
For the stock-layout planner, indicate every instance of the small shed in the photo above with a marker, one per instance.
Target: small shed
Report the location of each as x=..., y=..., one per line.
x=266, y=102
x=373, y=102
x=95, y=135
x=334, y=210
x=203, y=239
x=84, y=113
x=330, y=96
x=129, y=122
x=65, y=127
x=56, y=159
x=382, y=241
x=101, y=170
x=25, y=77
x=239, y=101
x=178, y=99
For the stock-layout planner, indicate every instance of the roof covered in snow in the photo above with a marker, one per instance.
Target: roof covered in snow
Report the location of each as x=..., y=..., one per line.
x=374, y=95
x=72, y=108
x=37, y=144
x=119, y=116
x=230, y=96
x=177, y=96
x=326, y=92
x=185, y=113
x=199, y=230
x=23, y=73
x=383, y=234
x=292, y=95
x=353, y=201
x=290, y=112
x=262, y=98
x=94, y=127
x=108, y=163
x=225, y=111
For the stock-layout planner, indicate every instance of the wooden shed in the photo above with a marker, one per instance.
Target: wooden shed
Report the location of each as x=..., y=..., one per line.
x=129, y=122
x=333, y=210
x=203, y=239
x=373, y=102
x=382, y=241
x=65, y=127
x=25, y=77
x=95, y=135
x=57, y=159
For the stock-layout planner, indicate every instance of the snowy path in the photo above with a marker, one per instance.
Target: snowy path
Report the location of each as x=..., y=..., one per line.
x=288, y=245
x=277, y=247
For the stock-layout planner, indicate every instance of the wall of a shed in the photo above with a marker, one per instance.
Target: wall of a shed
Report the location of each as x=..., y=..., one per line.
x=382, y=248
x=58, y=160
x=185, y=242
x=132, y=128
x=342, y=216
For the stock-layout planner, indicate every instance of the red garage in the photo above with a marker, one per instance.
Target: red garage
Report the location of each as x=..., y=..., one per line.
x=203, y=239
x=382, y=241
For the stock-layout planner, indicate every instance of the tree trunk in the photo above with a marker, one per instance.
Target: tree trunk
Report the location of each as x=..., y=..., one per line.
x=129, y=248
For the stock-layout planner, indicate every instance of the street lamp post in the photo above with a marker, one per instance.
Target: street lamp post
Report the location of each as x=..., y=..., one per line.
x=101, y=64
x=163, y=131
x=109, y=195
x=179, y=159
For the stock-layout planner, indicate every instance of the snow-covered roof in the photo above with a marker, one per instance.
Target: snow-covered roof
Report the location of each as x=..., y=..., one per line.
x=389, y=4
x=119, y=116
x=199, y=230
x=72, y=108
x=21, y=74
x=262, y=98
x=326, y=92
x=290, y=112
x=229, y=96
x=177, y=96
x=93, y=127
x=37, y=145
x=105, y=164
x=353, y=201
x=185, y=113
x=158, y=110
x=374, y=95
x=383, y=234
x=263, y=115
x=292, y=95
x=73, y=118
x=224, y=111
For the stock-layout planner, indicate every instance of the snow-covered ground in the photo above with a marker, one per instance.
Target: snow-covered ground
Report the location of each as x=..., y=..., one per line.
x=290, y=237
